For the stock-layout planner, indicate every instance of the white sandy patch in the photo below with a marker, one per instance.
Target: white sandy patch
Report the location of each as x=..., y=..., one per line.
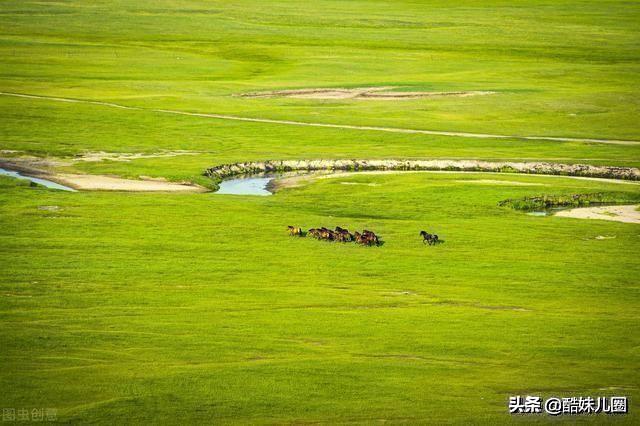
x=108, y=183
x=626, y=214
x=49, y=208
x=332, y=93
x=499, y=182
x=359, y=183
x=393, y=96
x=384, y=93
x=124, y=156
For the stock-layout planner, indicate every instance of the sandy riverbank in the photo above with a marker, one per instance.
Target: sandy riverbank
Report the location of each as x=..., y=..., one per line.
x=84, y=182
x=625, y=214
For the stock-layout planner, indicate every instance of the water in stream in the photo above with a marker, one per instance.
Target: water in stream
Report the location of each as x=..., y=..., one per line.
x=247, y=185
x=39, y=181
x=550, y=211
x=259, y=183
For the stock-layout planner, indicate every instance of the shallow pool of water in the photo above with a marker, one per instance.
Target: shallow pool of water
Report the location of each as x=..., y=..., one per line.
x=246, y=185
x=39, y=181
x=548, y=212
x=538, y=213
x=260, y=183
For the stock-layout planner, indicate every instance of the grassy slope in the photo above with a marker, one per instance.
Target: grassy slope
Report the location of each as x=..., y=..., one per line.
x=191, y=307
x=200, y=307
x=564, y=68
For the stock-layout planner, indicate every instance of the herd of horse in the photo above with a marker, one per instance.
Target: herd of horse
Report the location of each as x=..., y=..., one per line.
x=366, y=238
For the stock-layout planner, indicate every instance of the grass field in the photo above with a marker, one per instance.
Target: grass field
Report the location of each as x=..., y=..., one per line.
x=198, y=308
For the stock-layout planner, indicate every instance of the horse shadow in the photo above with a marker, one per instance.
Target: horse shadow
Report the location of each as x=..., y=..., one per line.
x=435, y=243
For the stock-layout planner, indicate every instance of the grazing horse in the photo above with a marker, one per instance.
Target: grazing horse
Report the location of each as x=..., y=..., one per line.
x=428, y=238
x=294, y=231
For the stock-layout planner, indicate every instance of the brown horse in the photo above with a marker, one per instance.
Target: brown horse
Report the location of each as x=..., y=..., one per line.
x=327, y=234
x=315, y=233
x=344, y=235
x=365, y=240
x=371, y=237
x=294, y=231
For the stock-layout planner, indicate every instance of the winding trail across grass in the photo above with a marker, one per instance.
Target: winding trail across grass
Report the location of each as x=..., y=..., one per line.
x=328, y=125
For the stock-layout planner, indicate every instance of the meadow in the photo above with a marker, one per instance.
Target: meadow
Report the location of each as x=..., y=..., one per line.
x=166, y=308
x=200, y=308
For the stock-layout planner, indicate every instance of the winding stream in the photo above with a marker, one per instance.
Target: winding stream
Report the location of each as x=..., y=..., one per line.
x=262, y=184
x=39, y=181
x=550, y=211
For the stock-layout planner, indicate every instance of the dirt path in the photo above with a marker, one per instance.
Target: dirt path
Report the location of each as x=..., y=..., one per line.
x=327, y=125
x=625, y=214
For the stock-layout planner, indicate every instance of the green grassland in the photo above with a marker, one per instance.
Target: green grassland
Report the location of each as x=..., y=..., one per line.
x=198, y=308
x=560, y=68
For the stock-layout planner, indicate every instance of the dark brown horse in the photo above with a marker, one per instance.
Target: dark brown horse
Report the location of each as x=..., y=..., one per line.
x=344, y=235
x=327, y=234
x=371, y=237
x=368, y=239
x=315, y=233
x=428, y=238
